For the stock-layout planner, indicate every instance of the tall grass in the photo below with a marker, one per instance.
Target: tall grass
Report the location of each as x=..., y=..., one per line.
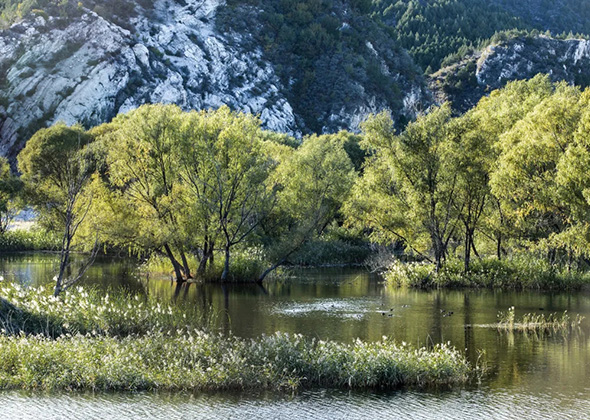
x=83, y=311
x=87, y=341
x=516, y=273
x=553, y=322
x=193, y=360
x=29, y=240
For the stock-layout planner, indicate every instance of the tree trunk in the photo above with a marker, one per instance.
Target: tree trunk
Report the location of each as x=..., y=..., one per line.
x=439, y=252
x=175, y=264
x=226, y=264
x=467, y=258
x=207, y=255
x=64, y=260
x=187, y=270
x=499, y=246
x=270, y=270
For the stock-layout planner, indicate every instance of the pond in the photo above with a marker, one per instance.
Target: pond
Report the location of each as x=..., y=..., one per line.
x=531, y=376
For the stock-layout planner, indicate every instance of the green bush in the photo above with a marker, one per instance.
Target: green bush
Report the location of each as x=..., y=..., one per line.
x=520, y=272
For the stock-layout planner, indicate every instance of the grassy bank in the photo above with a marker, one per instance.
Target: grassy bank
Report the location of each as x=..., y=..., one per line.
x=29, y=240
x=200, y=361
x=516, y=273
x=85, y=341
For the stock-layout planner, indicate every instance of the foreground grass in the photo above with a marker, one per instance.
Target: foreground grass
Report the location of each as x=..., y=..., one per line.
x=531, y=322
x=85, y=341
x=517, y=273
x=200, y=361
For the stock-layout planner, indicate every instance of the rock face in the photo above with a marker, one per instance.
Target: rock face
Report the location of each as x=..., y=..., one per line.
x=87, y=69
x=466, y=82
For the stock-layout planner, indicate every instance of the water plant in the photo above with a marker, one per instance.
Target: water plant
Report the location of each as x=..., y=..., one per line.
x=82, y=311
x=28, y=240
x=532, y=322
x=195, y=360
x=517, y=273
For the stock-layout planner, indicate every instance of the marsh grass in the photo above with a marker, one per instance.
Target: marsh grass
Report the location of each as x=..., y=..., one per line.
x=517, y=273
x=194, y=360
x=245, y=266
x=82, y=311
x=531, y=322
x=85, y=341
x=29, y=240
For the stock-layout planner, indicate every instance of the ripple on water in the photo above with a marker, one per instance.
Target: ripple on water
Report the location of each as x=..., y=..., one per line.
x=354, y=308
x=477, y=404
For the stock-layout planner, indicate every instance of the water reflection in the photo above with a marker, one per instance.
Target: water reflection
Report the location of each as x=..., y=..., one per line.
x=344, y=304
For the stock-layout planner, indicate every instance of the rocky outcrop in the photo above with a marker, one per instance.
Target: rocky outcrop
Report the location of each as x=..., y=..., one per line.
x=522, y=58
x=87, y=68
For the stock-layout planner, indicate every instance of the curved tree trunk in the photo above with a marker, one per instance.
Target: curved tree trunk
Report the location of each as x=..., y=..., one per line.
x=175, y=264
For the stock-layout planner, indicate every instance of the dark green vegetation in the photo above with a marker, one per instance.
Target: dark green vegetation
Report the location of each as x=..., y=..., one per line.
x=437, y=33
x=302, y=35
x=318, y=44
x=88, y=341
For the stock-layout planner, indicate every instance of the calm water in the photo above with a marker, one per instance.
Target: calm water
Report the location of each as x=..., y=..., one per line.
x=530, y=377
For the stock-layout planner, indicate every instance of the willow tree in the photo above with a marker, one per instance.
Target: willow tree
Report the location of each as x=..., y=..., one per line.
x=525, y=176
x=483, y=126
x=408, y=191
x=57, y=166
x=10, y=188
x=314, y=181
x=225, y=172
x=470, y=153
x=143, y=181
x=573, y=184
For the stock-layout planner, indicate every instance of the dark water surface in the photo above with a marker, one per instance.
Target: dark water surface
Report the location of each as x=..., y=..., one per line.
x=531, y=377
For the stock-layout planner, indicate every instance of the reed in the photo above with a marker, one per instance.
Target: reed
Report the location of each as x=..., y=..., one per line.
x=532, y=322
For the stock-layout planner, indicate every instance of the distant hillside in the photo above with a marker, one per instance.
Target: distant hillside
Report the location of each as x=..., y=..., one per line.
x=324, y=68
x=464, y=83
x=439, y=32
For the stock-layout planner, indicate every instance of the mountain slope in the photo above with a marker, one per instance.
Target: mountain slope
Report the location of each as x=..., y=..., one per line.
x=76, y=65
x=523, y=57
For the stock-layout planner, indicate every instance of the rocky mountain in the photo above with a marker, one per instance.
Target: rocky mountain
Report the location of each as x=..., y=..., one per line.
x=82, y=65
x=303, y=65
x=466, y=82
